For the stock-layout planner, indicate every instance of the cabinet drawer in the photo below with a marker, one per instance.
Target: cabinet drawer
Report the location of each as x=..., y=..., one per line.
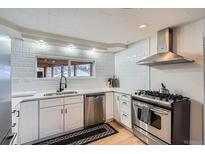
x=51, y=102
x=15, y=119
x=125, y=119
x=125, y=107
x=125, y=97
x=73, y=100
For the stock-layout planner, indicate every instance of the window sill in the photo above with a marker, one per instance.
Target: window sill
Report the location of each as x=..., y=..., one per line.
x=70, y=78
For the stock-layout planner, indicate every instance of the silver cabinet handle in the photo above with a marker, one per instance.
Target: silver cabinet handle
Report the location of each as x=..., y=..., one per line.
x=66, y=111
x=124, y=115
x=139, y=106
x=18, y=114
x=13, y=111
x=124, y=103
x=13, y=125
x=124, y=95
x=61, y=111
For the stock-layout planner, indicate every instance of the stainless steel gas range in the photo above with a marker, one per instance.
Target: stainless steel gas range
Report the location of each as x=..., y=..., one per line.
x=160, y=118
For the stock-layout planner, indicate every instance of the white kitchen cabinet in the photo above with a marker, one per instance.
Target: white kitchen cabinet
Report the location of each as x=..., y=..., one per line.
x=74, y=114
x=73, y=99
x=15, y=118
x=51, y=121
x=116, y=107
x=125, y=119
x=125, y=106
x=28, y=122
x=125, y=110
x=15, y=122
x=61, y=115
x=122, y=109
x=109, y=106
x=51, y=102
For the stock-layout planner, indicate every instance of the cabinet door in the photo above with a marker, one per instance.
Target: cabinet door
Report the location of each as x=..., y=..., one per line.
x=125, y=119
x=74, y=116
x=28, y=122
x=51, y=121
x=15, y=119
x=109, y=106
x=116, y=108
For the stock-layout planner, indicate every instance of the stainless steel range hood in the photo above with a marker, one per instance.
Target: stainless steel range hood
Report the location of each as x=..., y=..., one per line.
x=165, y=54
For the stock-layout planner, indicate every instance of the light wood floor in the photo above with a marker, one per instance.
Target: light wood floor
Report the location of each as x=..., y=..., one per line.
x=124, y=137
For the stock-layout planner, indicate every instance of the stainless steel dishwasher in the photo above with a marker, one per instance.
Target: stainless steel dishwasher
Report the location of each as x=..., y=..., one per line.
x=94, y=109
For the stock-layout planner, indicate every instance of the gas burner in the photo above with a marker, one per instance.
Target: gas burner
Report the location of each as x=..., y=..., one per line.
x=160, y=96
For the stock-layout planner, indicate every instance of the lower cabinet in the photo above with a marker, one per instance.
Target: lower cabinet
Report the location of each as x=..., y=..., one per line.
x=125, y=119
x=15, y=119
x=125, y=110
x=74, y=116
x=61, y=118
x=43, y=118
x=51, y=121
x=28, y=122
x=122, y=109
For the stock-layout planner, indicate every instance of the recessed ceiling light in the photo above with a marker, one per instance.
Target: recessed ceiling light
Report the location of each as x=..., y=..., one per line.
x=71, y=46
x=143, y=26
x=41, y=42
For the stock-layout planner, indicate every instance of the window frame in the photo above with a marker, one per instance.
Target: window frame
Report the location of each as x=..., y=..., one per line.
x=69, y=64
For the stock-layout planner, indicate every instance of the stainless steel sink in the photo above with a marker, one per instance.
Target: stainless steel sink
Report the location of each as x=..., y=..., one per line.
x=61, y=93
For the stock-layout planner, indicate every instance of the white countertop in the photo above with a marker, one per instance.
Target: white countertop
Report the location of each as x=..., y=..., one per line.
x=38, y=96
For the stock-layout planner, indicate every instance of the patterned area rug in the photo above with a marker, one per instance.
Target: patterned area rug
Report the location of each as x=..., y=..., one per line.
x=82, y=137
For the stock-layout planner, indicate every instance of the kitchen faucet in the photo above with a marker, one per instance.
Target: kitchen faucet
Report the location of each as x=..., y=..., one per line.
x=65, y=84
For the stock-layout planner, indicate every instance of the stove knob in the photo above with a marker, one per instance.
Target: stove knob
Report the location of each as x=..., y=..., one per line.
x=180, y=97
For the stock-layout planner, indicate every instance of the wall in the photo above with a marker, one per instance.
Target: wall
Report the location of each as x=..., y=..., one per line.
x=23, y=67
x=133, y=76
x=185, y=79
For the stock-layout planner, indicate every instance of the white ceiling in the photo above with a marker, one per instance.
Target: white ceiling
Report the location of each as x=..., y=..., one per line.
x=102, y=25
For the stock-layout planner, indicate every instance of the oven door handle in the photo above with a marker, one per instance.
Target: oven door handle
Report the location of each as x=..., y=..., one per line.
x=154, y=110
x=160, y=111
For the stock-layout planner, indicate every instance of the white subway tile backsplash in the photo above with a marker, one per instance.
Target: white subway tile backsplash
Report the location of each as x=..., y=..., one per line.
x=133, y=76
x=123, y=64
x=23, y=67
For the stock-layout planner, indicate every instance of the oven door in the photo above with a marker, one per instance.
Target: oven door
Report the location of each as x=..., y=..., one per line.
x=160, y=125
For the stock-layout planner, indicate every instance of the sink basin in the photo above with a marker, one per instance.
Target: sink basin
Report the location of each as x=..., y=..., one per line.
x=61, y=93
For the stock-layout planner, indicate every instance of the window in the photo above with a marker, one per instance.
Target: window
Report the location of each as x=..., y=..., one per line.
x=55, y=68
x=51, y=68
x=81, y=69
